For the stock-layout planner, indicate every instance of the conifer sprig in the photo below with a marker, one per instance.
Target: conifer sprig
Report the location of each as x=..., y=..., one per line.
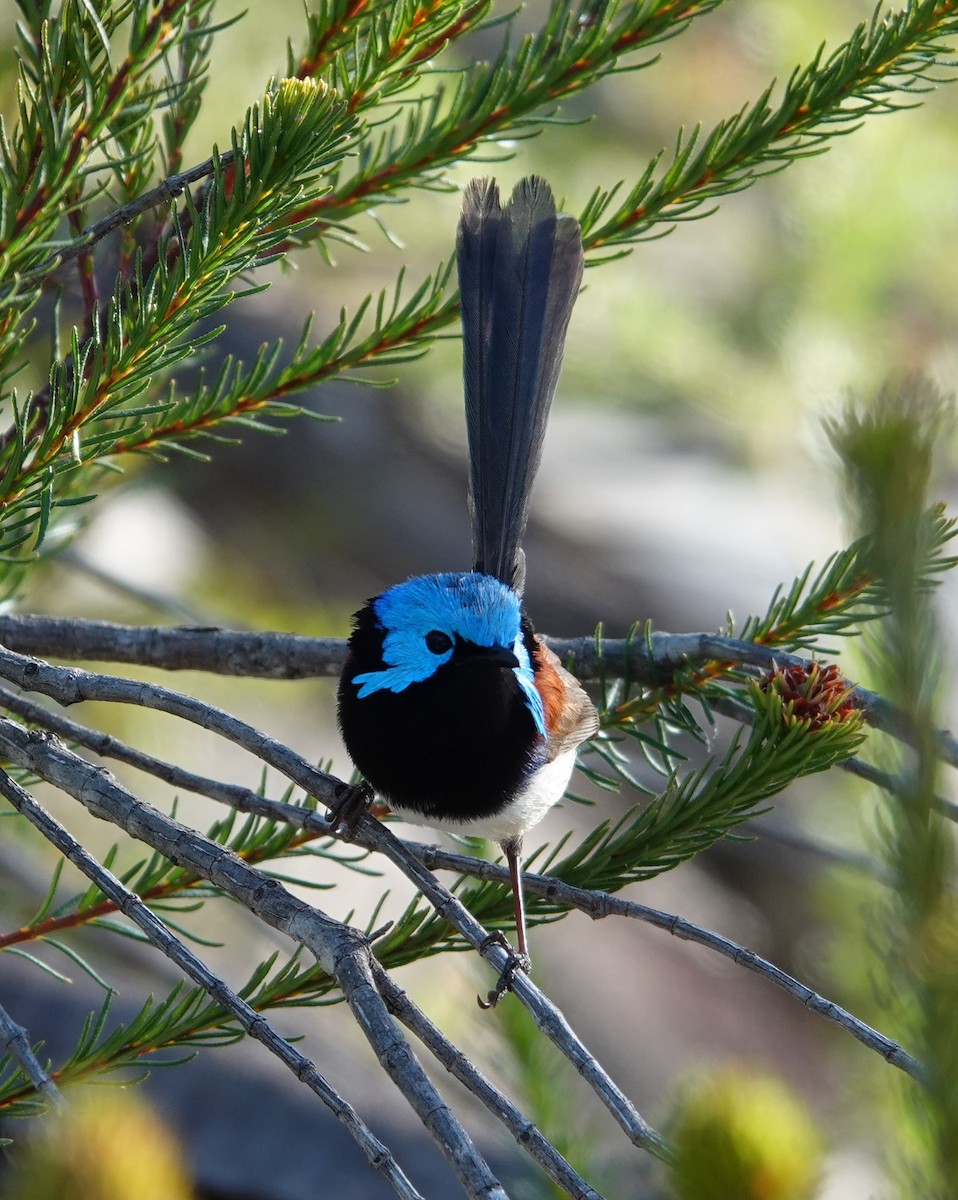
x=95, y=395
x=700, y=807
x=837, y=600
x=377, y=58
x=889, y=58
x=188, y=74
x=513, y=96
x=886, y=63
x=845, y=593
x=384, y=331
x=331, y=26
x=70, y=93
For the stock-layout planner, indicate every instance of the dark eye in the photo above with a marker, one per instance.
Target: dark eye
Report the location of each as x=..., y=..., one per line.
x=438, y=642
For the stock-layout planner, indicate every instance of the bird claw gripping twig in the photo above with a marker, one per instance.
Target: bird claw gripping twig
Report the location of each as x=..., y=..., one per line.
x=352, y=801
x=517, y=961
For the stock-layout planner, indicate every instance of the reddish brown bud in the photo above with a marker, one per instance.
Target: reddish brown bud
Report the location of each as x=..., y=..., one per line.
x=817, y=694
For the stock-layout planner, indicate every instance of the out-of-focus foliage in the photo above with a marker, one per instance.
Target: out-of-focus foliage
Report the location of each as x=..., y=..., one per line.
x=109, y=1145
x=741, y=1134
x=118, y=115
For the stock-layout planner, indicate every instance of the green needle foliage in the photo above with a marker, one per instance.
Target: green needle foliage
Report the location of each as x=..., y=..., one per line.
x=885, y=63
x=119, y=256
x=370, y=120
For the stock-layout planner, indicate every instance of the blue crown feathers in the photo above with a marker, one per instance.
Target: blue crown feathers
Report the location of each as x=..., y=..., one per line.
x=469, y=606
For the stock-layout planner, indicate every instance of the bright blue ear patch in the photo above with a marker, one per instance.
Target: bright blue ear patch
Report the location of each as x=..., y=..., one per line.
x=473, y=607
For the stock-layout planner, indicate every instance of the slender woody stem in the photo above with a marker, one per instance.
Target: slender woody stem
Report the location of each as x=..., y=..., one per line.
x=165, y=940
x=14, y=1041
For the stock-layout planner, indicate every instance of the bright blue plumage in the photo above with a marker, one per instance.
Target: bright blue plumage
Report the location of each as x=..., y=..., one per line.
x=466, y=607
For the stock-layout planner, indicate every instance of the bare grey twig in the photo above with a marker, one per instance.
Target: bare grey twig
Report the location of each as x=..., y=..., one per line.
x=339, y=949
x=461, y=1068
x=128, y=903
x=105, y=745
x=72, y=685
x=376, y=836
x=249, y=801
x=176, y=648
x=601, y=904
x=14, y=1041
x=291, y=656
x=168, y=189
x=595, y=904
x=246, y=800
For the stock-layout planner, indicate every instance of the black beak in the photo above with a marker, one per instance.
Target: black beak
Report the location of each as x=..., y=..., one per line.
x=488, y=656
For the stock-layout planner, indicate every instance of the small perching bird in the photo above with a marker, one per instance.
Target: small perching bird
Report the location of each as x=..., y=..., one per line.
x=451, y=708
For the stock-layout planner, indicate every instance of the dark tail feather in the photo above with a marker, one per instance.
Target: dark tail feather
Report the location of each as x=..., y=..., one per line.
x=520, y=267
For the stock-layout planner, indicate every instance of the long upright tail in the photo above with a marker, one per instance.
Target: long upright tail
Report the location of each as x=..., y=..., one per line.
x=520, y=266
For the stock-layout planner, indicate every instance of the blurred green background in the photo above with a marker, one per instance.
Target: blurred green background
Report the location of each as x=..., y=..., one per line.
x=685, y=473
x=719, y=347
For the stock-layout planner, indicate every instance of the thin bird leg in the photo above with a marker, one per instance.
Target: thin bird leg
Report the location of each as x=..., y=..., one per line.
x=519, y=960
x=513, y=851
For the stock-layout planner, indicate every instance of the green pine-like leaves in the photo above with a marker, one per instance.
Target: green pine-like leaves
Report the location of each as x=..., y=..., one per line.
x=382, y=122
x=381, y=99
x=101, y=397
x=846, y=592
x=698, y=807
x=885, y=64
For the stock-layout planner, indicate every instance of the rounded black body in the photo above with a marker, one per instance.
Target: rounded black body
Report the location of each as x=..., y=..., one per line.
x=457, y=746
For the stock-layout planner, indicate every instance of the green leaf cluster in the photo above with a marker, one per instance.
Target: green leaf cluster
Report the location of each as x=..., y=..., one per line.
x=380, y=99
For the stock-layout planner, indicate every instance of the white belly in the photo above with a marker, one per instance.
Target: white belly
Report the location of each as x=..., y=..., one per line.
x=527, y=808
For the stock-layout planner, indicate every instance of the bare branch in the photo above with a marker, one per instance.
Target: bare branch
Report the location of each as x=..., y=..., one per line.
x=168, y=190
x=106, y=746
x=397, y=1002
x=596, y=904
x=339, y=949
x=14, y=1041
x=554, y=1025
x=373, y=835
x=459, y=1066
x=377, y=837
x=71, y=686
x=601, y=904
x=292, y=656
x=253, y=1023
x=181, y=647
